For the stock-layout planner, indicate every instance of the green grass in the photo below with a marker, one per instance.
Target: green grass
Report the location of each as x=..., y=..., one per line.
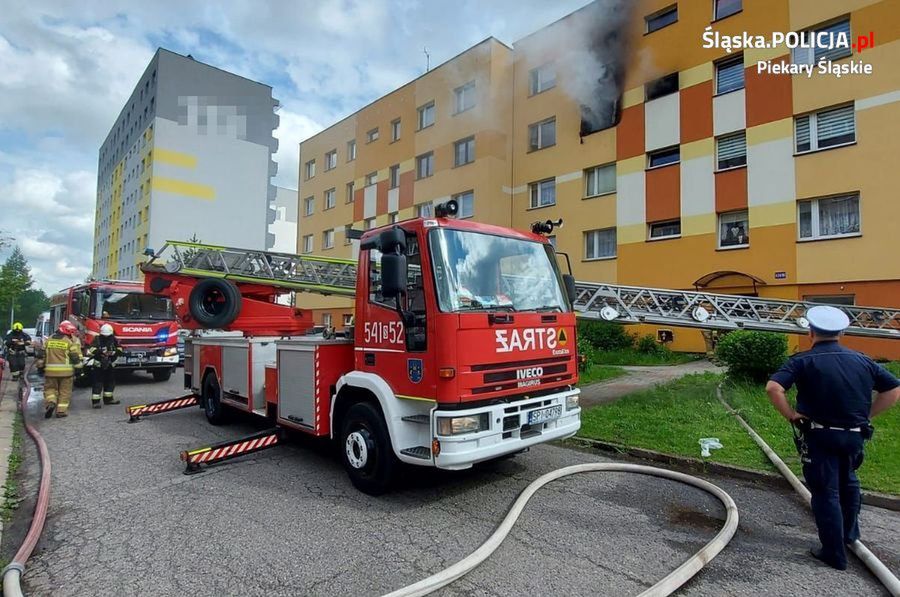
x=10, y=499
x=598, y=373
x=893, y=367
x=633, y=357
x=671, y=418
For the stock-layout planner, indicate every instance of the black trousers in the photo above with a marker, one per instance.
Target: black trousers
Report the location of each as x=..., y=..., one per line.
x=831, y=475
x=104, y=379
x=16, y=360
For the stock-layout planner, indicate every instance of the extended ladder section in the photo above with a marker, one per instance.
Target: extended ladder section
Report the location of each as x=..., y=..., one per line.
x=631, y=304
x=320, y=275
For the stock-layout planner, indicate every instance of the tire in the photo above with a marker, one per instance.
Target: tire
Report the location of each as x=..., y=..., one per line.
x=162, y=374
x=214, y=303
x=211, y=399
x=366, y=451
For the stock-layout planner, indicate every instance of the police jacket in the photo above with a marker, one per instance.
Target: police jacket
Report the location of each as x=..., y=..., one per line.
x=104, y=350
x=834, y=383
x=17, y=340
x=62, y=356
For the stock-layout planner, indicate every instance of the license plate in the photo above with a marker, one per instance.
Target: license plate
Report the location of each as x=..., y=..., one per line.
x=545, y=414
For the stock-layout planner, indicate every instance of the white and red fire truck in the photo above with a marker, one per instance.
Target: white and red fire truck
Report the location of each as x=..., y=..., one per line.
x=143, y=323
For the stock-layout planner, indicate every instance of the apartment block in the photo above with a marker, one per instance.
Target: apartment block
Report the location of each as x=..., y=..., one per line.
x=675, y=165
x=189, y=156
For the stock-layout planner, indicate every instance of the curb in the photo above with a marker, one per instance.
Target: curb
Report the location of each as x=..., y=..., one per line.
x=870, y=498
x=8, y=409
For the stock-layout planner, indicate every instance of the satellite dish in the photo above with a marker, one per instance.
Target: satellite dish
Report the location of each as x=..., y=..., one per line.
x=608, y=313
x=700, y=314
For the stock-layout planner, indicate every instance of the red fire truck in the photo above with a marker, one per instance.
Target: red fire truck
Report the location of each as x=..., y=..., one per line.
x=143, y=323
x=463, y=348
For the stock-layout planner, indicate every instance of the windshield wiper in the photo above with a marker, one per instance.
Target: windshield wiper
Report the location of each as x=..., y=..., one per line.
x=547, y=308
x=480, y=307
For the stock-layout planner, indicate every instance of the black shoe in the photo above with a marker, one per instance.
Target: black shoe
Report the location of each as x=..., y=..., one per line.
x=96, y=403
x=818, y=554
x=110, y=401
x=49, y=411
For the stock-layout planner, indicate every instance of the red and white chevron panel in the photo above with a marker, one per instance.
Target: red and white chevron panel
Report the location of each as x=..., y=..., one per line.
x=159, y=407
x=235, y=449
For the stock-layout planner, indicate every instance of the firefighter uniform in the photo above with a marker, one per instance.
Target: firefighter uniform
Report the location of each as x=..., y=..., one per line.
x=16, y=341
x=102, y=354
x=834, y=402
x=62, y=361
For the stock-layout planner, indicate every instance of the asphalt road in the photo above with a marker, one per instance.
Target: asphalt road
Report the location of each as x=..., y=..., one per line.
x=125, y=521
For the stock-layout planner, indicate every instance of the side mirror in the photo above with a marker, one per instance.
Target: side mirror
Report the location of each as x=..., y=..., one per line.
x=569, y=281
x=76, y=306
x=393, y=275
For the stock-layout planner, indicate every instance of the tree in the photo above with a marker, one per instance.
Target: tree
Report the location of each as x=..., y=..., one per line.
x=15, y=279
x=187, y=255
x=32, y=303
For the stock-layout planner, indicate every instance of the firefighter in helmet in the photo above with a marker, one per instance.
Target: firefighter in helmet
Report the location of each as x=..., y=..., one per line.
x=62, y=362
x=102, y=355
x=16, y=341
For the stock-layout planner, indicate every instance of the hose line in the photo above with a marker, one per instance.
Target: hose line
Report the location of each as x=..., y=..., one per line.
x=666, y=586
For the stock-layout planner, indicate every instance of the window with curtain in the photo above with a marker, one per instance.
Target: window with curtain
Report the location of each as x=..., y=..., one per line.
x=825, y=128
x=600, y=244
x=600, y=180
x=542, y=193
x=730, y=75
x=731, y=150
x=812, y=55
x=828, y=217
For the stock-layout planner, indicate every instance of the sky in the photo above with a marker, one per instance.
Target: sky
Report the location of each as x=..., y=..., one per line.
x=66, y=69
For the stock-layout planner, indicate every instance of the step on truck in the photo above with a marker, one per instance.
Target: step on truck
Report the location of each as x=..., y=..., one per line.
x=462, y=349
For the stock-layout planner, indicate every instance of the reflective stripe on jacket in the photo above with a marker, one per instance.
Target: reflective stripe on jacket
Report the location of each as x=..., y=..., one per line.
x=62, y=356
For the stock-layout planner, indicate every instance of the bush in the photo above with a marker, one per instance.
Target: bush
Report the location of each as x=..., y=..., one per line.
x=587, y=351
x=647, y=344
x=605, y=336
x=752, y=355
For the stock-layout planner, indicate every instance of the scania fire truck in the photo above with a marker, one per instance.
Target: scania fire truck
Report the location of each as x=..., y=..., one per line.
x=143, y=323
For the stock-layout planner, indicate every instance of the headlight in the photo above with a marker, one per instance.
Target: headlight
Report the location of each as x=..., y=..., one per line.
x=461, y=425
x=170, y=352
x=572, y=402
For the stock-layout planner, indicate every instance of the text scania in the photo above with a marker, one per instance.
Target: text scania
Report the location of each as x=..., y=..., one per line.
x=136, y=329
x=526, y=339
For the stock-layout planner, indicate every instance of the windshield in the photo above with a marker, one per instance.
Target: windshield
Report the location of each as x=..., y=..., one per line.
x=475, y=271
x=132, y=306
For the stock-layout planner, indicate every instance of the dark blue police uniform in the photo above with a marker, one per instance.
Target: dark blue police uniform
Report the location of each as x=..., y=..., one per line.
x=834, y=391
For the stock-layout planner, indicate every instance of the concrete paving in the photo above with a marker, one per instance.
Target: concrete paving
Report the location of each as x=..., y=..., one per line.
x=641, y=378
x=125, y=521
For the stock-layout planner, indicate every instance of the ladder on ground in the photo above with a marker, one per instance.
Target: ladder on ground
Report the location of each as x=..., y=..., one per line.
x=634, y=304
x=609, y=302
x=321, y=275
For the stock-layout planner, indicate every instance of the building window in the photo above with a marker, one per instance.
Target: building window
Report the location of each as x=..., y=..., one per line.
x=826, y=128
x=600, y=244
x=464, y=151
x=661, y=18
x=347, y=232
x=349, y=192
x=331, y=160
x=372, y=135
x=725, y=8
x=730, y=75
x=328, y=239
x=664, y=157
x=541, y=79
x=542, y=134
x=326, y=320
x=828, y=217
x=804, y=55
x=393, y=217
x=661, y=86
x=371, y=178
x=370, y=223
x=425, y=165
x=425, y=210
x=310, y=169
x=731, y=151
x=734, y=229
x=466, y=202
x=351, y=150
x=600, y=180
x=395, y=129
x=308, y=243
x=395, y=176
x=668, y=229
x=542, y=193
x=330, y=198
x=309, y=205
x=347, y=319
x=426, y=115
x=464, y=97
x=848, y=300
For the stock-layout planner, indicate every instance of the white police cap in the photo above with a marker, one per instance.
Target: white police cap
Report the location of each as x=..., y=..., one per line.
x=830, y=320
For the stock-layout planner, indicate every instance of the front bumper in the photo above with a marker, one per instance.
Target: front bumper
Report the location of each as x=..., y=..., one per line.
x=509, y=430
x=148, y=362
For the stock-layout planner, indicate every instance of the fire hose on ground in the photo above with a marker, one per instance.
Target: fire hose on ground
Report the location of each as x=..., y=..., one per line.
x=877, y=567
x=12, y=574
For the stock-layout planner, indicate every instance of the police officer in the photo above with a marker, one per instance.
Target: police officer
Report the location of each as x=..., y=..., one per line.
x=16, y=341
x=834, y=406
x=102, y=353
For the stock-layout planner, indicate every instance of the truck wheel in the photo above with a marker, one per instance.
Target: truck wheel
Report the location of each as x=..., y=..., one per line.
x=366, y=451
x=212, y=403
x=214, y=303
x=162, y=374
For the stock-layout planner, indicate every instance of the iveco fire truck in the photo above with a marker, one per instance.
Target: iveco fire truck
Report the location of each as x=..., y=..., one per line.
x=143, y=323
x=463, y=348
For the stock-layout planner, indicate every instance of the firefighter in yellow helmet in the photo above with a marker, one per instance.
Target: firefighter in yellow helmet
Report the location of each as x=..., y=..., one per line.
x=62, y=360
x=16, y=341
x=102, y=355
